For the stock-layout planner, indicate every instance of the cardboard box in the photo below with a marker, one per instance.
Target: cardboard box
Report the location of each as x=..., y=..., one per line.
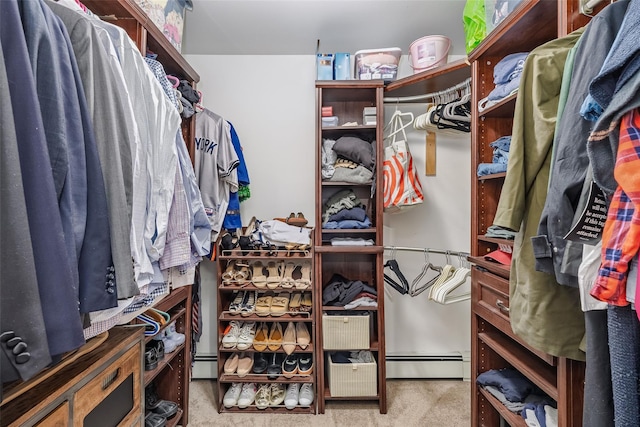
x=168, y=16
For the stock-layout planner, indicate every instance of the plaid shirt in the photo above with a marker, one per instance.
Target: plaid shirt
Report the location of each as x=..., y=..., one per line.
x=621, y=235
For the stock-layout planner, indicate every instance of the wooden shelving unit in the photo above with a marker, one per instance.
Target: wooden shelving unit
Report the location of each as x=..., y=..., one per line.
x=365, y=263
x=494, y=344
x=173, y=373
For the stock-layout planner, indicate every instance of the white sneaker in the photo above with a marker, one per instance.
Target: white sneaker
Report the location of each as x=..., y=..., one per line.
x=231, y=396
x=306, y=395
x=230, y=339
x=247, y=395
x=291, y=398
x=246, y=335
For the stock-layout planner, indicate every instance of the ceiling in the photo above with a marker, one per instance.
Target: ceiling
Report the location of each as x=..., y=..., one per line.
x=304, y=27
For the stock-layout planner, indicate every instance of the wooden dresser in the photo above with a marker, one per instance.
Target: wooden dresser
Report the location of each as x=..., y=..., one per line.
x=103, y=386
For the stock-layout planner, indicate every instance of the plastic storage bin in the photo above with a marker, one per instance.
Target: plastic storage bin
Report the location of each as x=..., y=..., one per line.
x=352, y=379
x=429, y=52
x=345, y=332
x=372, y=64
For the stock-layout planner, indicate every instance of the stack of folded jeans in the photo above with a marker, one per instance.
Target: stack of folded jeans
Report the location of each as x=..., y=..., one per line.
x=500, y=157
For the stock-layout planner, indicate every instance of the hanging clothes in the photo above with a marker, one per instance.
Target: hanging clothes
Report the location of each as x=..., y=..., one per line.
x=215, y=166
x=570, y=160
x=547, y=316
x=20, y=304
x=113, y=138
x=58, y=299
x=232, y=219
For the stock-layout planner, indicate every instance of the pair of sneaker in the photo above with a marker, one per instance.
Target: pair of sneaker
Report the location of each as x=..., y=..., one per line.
x=240, y=394
x=299, y=395
x=172, y=339
x=269, y=395
x=243, y=303
x=239, y=335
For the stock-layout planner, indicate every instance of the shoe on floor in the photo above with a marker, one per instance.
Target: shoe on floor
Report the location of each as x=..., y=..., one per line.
x=247, y=395
x=231, y=396
x=305, y=398
x=291, y=397
x=263, y=396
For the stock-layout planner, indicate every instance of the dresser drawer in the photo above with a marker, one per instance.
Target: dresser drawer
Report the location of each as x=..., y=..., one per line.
x=492, y=293
x=114, y=393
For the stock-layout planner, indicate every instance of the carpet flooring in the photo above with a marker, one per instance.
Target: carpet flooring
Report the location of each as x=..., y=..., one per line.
x=410, y=403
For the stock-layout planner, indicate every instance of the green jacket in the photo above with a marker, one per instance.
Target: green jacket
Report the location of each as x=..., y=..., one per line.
x=543, y=313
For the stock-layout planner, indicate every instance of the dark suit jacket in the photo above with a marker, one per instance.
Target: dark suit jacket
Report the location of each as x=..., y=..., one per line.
x=52, y=265
x=21, y=318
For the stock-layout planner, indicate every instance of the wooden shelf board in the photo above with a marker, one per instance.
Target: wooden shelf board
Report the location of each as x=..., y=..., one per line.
x=172, y=60
x=513, y=419
x=349, y=230
x=176, y=419
x=347, y=128
x=499, y=175
x=517, y=28
x=349, y=84
x=344, y=184
x=263, y=378
x=298, y=349
x=430, y=81
x=226, y=317
x=497, y=241
x=327, y=396
x=168, y=357
x=350, y=249
x=494, y=267
x=530, y=366
x=280, y=409
x=236, y=287
x=503, y=109
x=336, y=308
x=264, y=255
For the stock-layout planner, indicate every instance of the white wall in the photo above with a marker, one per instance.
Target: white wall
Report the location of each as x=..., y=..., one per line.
x=271, y=102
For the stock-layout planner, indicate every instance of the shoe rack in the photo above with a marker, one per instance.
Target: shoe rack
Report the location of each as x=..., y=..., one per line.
x=267, y=296
x=347, y=101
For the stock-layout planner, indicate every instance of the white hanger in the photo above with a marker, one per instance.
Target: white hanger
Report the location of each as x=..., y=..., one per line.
x=443, y=293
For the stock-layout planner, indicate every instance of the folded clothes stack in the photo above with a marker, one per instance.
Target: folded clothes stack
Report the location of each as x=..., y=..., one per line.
x=343, y=292
x=349, y=159
x=500, y=157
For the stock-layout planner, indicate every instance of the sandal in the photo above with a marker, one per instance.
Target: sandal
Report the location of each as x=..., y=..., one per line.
x=261, y=338
x=287, y=277
x=275, y=337
x=259, y=278
x=295, y=303
x=263, y=305
x=305, y=305
x=228, y=242
x=305, y=277
x=280, y=304
x=243, y=274
x=275, y=274
x=230, y=272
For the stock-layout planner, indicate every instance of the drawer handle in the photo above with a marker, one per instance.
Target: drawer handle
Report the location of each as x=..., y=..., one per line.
x=110, y=379
x=501, y=306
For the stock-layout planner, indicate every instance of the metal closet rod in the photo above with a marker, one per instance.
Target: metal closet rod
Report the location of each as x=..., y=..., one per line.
x=429, y=250
x=459, y=86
